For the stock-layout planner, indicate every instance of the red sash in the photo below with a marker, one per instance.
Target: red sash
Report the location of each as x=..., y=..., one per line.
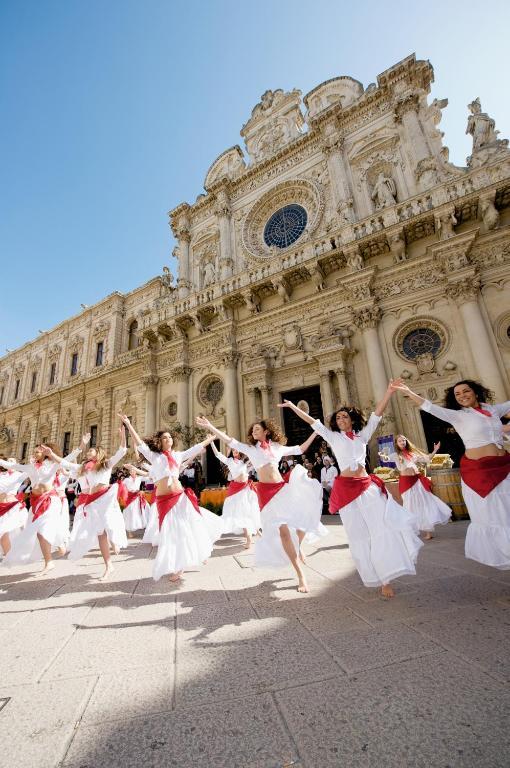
x=346, y=489
x=87, y=498
x=130, y=496
x=406, y=482
x=235, y=487
x=483, y=475
x=167, y=501
x=39, y=504
x=266, y=491
x=6, y=506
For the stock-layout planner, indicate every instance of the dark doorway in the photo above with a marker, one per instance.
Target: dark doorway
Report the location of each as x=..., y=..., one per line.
x=213, y=468
x=296, y=430
x=437, y=430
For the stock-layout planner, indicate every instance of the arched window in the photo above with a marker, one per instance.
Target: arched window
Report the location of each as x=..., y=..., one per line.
x=133, y=335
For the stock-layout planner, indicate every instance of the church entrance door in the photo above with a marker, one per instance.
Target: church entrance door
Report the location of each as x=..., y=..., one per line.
x=296, y=430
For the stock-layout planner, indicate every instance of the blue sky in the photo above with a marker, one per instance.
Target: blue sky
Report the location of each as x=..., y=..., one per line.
x=113, y=110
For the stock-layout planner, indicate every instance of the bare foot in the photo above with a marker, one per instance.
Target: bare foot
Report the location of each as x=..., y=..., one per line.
x=248, y=543
x=115, y=549
x=302, y=557
x=62, y=551
x=109, y=569
x=428, y=536
x=176, y=577
x=387, y=590
x=47, y=568
x=302, y=585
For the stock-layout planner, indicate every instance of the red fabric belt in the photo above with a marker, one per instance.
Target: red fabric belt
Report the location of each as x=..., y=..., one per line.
x=234, y=487
x=406, y=482
x=266, y=491
x=87, y=498
x=39, y=504
x=346, y=489
x=131, y=496
x=483, y=475
x=167, y=501
x=6, y=506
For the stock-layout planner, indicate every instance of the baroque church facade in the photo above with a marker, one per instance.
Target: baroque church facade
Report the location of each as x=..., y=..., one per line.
x=340, y=250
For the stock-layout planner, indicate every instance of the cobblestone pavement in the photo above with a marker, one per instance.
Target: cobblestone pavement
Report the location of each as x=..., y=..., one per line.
x=235, y=669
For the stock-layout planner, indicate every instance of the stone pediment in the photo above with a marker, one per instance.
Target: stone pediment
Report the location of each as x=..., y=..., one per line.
x=372, y=142
x=229, y=165
x=342, y=91
x=275, y=121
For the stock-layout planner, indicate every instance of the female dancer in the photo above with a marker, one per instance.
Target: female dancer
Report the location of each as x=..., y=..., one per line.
x=381, y=538
x=151, y=534
x=241, y=512
x=135, y=510
x=43, y=531
x=289, y=510
x=187, y=531
x=97, y=516
x=484, y=468
x=13, y=512
x=416, y=489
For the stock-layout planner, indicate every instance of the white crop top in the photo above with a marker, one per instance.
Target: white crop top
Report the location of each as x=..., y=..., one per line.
x=261, y=457
x=350, y=454
x=44, y=474
x=474, y=429
x=403, y=463
x=160, y=467
x=90, y=479
x=11, y=480
x=133, y=483
x=237, y=468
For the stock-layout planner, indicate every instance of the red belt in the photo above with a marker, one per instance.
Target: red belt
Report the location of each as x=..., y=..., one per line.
x=483, y=475
x=346, y=489
x=266, y=491
x=167, y=501
x=406, y=482
x=132, y=496
x=234, y=487
x=6, y=506
x=87, y=498
x=39, y=504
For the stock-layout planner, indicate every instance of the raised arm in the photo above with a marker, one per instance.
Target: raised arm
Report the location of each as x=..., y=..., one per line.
x=134, y=434
x=190, y=453
x=381, y=406
x=136, y=470
x=302, y=415
x=14, y=465
x=121, y=450
x=201, y=421
x=220, y=456
x=305, y=446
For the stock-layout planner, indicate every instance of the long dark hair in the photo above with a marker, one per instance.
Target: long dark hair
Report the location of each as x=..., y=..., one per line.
x=273, y=431
x=357, y=418
x=483, y=395
x=154, y=441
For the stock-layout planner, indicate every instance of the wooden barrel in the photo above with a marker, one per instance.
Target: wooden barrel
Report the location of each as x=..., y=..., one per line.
x=446, y=485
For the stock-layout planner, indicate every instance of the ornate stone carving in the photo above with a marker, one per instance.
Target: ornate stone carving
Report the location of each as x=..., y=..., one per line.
x=367, y=317
x=292, y=337
x=488, y=212
x=76, y=344
x=467, y=289
x=209, y=393
x=439, y=340
x=397, y=246
x=275, y=121
x=101, y=330
x=230, y=359
x=229, y=165
x=54, y=352
x=445, y=224
x=384, y=192
x=150, y=380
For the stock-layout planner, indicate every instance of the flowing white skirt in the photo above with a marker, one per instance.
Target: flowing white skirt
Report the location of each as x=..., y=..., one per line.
x=426, y=508
x=240, y=511
x=101, y=515
x=14, y=520
x=134, y=516
x=186, y=538
x=25, y=547
x=66, y=521
x=488, y=534
x=299, y=506
x=382, y=537
x=151, y=535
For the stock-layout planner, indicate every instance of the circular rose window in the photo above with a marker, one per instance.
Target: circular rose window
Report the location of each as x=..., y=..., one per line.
x=421, y=341
x=285, y=226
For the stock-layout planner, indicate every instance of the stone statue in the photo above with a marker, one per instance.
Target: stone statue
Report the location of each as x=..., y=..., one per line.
x=208, y=274
x=384, y=192
x=167, y=280
x=490, y=215
x=445, y=226
x=480, y=126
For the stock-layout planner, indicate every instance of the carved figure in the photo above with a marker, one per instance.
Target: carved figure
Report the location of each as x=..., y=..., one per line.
x=398, y=248
x=384, y=192
x=480, y=126
x=355, y=262
x=490, y=215
x=167, y=280
x=208, y=274
x=445, y=226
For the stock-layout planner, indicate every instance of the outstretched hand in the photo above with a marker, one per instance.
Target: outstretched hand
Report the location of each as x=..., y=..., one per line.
x=85, y=439
x=437, y=446
x=399, y=385
x=201, y=421
x=124, y=419
x=286, y=404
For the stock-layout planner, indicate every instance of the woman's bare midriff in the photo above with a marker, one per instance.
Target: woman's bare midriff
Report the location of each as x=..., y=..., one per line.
x=5, y=498
x=38, y=490
x=98, y=488
x=485, y=450
x=269, y=474
x=163, y=486
x=408, y=472
x=360, y=472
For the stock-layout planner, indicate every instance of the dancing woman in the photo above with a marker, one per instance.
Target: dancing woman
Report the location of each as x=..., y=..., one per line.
x=241, y=512
x=484, y=467
x=136, y=506
x=43, y=532
x=416, y=489
x=187, y=531
x=97, y=517
x=13, y=512
x=381, y=538
x=289, y=511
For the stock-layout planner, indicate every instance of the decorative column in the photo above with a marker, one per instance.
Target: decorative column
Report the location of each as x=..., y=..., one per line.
x=406, y=113
x=343, y=386
x=265, y=392
x=151, y=389
x=223, y=212
x=180, y=223
x=252, y=405
x=465, y=293
x=230, y=360
x=367, y=320
x=181, y=375
x=108, y=434
x=333, y=149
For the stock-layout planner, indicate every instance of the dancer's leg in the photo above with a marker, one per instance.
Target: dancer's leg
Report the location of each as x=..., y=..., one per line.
x=248, y=538
x=301, y=535
x=5, y=543
x=46, y=553
x=104, y=546
x=291, y=553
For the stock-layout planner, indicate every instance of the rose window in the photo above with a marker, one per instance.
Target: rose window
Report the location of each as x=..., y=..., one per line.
x=285, y=226
x=211, y=391
x=421, y=341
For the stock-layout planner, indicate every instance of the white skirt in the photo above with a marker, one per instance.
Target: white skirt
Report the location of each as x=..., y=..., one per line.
x=25, y=547
x=134, y=518
x=241, y=511
x=99, y=516
x=13, y=520
x=186, y=538
x=66, y=522
x=151, y=535
x=297, y=505
x=382, y=537
x=426, y=508
x=488, y=534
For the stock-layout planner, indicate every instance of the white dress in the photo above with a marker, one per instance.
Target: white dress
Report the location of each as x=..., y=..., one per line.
x=488, y=534
x=134, y=513
x=241, y=509
x=15, y=519
x=297, y=504
x=382, y=535
x=427, y=509
x=100, y=515
x=186, y=537
x=151, y=534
